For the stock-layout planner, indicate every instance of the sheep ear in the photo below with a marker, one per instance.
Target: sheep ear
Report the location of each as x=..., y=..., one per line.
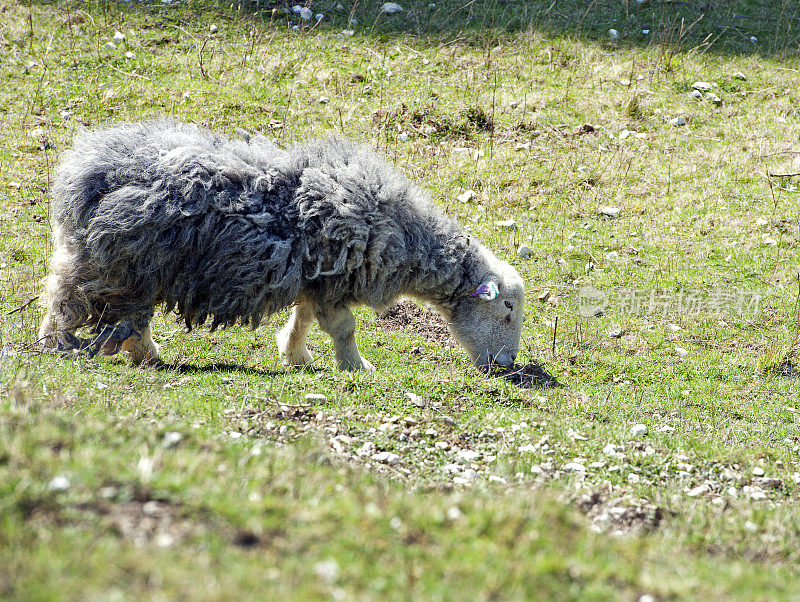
x=487, y=291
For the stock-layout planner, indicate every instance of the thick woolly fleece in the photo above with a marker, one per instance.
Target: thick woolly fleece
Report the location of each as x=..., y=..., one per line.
x=234, y=230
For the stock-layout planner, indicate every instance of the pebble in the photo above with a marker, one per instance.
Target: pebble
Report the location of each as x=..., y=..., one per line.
x=109, y=45
x=305, y=13
x=696, y=94
x=681, y=351
x=758, y=471
x=610, y=449
x=710, y=96
x=761, y=222
x=315, y=397
x=613, y=33
x=466, y=196
x=454, y=513
x=508, y=224
x=468, y=455
x=647, y=598
x=119, y=37
x=171, y=439
x=327, y=570
x=753, y=39
x=130, y=55
x=524, y=252
x=575, y=435
x=697, y=491
x=633, y=478
x=522, y=146
x=213, y=28
x=390, y=8
x=403, y=137
x=386, y=457
x=740, y=75
x=496, y=479
x=58, y=483
x=319, y=17
x=610, y=211
x=702, y=86
x=574, y=467
x=638, y=430
x=678, y=121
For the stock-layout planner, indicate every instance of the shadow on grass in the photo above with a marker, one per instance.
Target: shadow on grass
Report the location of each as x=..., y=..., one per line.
x=738, y=27
x=226, y=367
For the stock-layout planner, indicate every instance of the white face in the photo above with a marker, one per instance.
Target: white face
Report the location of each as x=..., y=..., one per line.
x=488, y=323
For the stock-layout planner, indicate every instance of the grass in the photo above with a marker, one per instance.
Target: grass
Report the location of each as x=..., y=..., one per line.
x=263, y=492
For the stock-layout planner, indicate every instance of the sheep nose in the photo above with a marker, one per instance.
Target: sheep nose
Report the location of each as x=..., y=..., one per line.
x=505, y=359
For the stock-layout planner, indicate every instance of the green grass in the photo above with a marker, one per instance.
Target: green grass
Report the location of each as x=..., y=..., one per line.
x=262, y=486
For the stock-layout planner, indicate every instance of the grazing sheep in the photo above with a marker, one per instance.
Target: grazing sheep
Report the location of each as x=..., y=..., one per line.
x=232, y=230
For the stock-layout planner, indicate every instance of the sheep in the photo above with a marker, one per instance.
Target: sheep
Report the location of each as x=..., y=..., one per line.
x=164, y=212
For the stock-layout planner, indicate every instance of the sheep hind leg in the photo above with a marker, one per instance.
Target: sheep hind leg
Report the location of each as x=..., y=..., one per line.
x=340, y=324
x=292, y=339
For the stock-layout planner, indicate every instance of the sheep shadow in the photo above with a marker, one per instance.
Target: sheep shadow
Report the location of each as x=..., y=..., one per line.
x=224, y=368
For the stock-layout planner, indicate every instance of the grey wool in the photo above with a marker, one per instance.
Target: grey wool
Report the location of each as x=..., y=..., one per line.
x=233, y=230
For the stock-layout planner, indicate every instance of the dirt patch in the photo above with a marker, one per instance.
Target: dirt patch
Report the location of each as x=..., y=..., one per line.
x=409, y=317
x=144, y=523
x=620, y=515
x=527, y=376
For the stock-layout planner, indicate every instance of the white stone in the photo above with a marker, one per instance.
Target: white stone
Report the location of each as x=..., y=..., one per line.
x=171, y=439
x=740, y=75
x=610, y=449
x=403, y=137
x=306, y=13
x=508, y=224
x=522, y=146
x=761, y=222
x=466, y=196
x=390, y=8
x=109, y=45
x=613, y=33
x=386, y=457
x=496, y=479
x=468, y=455
x=327, y=570
x=130, y=55
x=758, y=471
x=681, y=351
x=696, y=94
x=697, y=491
x=574, y=467
x=703, y=86
x=610, y=211
x=315, y=398
x=119, y=37
x=639, y=430
x=678, y=121
x=213, y=28
x=454, y=513
x=58, y=483
x=753, y=39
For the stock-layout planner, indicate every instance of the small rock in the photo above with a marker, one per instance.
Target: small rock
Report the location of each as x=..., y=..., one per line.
x=390, y=8
x=119, y=37
x=454, y=513
x=327, y=570
x=522, y=146
x=58, y=483
x=415, y=399
x=466, y=196
x=647, y=598
x=468, y=455
x=403, y=137
x=524, y=252
x=508, y=224
x=319, y=17
x=678, y=121
x=110, y=45
x=616, y=333
x=624, y=134
x=610, y=449
x=610, y=211
x=758, y=471
x=681, y=351
x=213, y=28
x=614, y=34
x=323, y=100
x=171, y=439
x=386, y=457
x=740, y=75
x=646, y=32
x=711, y=97
x=575, y=435
x=305, y=13
x=574, y=467
x=761, y=222
x=639, y=430
x=703, y=86
x=633, y=478
x=697, y=491
x=696, y=94
x=496, y=479
x=315, y=398
x=753, y=39
x=130, y=55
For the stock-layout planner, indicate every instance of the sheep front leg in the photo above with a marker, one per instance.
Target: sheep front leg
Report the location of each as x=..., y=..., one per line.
x=293, y=337
x=340, y=324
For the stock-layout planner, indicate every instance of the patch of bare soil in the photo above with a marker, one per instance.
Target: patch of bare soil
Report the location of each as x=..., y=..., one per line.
x=620, y=515
x=407, y=316
x=143, y=523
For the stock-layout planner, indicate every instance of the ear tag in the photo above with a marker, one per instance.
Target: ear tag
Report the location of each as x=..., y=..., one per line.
x=487, y=291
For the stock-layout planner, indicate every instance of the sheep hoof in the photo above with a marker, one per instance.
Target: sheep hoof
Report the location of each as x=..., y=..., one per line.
x=360, y=364
x=109, y=339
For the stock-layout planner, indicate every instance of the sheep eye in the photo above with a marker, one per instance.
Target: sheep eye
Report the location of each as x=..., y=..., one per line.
x=509, y=306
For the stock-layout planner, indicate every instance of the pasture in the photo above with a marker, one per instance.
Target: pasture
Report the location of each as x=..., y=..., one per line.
x=648, y=156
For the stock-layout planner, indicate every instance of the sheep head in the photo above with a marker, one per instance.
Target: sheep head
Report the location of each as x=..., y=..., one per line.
x=488, y=321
